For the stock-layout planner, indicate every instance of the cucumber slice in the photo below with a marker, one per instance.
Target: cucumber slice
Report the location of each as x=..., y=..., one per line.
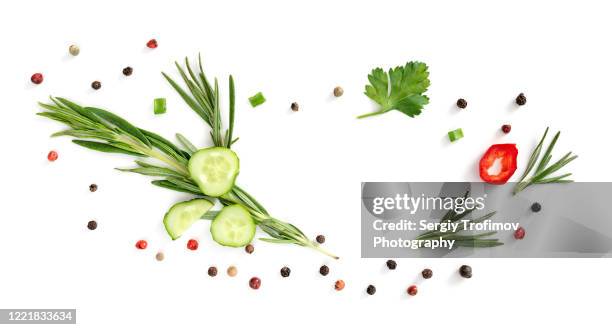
x=214, y=170
x=233, y=226
x=182, y=215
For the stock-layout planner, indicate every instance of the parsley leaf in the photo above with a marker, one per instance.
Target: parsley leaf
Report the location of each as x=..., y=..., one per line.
x=400, y=89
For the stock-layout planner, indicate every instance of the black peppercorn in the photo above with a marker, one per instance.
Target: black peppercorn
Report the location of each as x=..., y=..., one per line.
x=127, y=71
x=324, y=270
x=521, y=99
x=320, y=239
x=536, y=207
x=92, y=225
x=391, y=264
x=93, y=187
x=212, y=271
x=295, y=106
x=371, y=289
x=285, y=271
x=465, y=271
x=96, y=85
x=249, y=248
x=427, y=273
x=461, y=103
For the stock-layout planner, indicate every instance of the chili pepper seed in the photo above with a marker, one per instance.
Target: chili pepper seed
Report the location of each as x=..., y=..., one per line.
x=212, y=271
x=285, y=271
x=371, y=289
x=92, y=225
x=255, y=283
x=391, y=264
x=324, y=270
x=96, y=85
x=427, y=273
x=339, y=285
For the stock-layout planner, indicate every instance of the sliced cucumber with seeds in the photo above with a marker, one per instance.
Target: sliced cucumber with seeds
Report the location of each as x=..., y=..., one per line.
x=182, y=215
x=233, y=226
x=214, y=170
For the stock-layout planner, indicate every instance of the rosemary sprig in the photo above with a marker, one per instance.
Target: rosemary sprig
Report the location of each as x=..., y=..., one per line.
x=104, y=131
x=473, y=240
x=542, y=172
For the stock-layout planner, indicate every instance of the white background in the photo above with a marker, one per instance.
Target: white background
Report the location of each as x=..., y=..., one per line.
x=305, y=166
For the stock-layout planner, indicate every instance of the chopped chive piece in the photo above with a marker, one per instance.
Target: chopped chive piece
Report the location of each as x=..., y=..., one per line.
x=257, y=99
x=455, y=135
x=159, y=106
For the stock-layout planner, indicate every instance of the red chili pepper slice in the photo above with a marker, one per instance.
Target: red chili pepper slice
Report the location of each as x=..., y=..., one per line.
x=506, y=153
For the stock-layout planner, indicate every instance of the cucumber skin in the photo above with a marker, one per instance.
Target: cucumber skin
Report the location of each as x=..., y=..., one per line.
x=234, y=245
x=203, y=189
x=172, y=208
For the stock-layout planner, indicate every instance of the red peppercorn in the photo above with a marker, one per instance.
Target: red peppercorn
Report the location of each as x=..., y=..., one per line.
x=506, y=128
x=37, y=78
x=519, y=233
x=255, y=283
x=52, y=156
x=412, y=290
x=192, y=244
x=141, y=245
x=152, y=43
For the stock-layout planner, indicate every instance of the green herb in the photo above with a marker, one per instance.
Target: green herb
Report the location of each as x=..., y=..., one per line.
x=159, y=106
x=473, y=240
x=257, y=99
x=104, y=131
x=542, y=173
x=455, y=135
x=402, y=89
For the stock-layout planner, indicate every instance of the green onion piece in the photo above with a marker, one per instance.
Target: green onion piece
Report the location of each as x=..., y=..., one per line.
x=159, y=106
x=257, y=99
x=455, y=135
